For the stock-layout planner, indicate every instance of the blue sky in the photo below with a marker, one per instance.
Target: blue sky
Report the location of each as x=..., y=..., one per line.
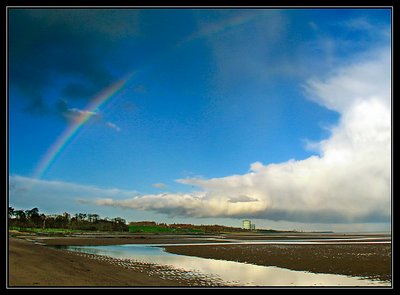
x=213, y=94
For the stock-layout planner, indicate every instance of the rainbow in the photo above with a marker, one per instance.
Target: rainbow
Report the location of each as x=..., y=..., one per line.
x=72, y=130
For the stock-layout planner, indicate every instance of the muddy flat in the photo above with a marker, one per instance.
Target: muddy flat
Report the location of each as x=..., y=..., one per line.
x=371, y=261
x=38, y=265
x=33, y=263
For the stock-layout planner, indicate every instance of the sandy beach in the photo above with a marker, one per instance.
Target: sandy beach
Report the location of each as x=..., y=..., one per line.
x=32, y=263
x=37, y=265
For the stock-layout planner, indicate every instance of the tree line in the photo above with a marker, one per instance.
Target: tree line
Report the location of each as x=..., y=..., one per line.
x=215, y=228
x=78, y=221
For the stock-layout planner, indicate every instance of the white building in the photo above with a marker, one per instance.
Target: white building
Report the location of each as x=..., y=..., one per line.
x=246, y=224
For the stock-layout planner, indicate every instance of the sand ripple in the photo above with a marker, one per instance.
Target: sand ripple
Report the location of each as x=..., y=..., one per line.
x=166, y=272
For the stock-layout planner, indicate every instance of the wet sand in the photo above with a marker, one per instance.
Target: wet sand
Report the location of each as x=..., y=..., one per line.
x=31, y=263
x=121, y=239
x=37, y=265
x=371, y=261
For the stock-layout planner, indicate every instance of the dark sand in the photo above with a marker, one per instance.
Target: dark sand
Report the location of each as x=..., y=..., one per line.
x=33, y=264
x=120, y=240
x=37, y=265
x=366, y=260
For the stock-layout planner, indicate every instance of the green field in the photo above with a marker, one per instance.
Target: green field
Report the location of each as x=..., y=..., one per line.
x=46, y=230
x=132, y=229
x=160, y=229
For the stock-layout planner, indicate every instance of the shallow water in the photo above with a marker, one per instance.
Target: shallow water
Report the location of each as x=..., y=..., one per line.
x=229, y=271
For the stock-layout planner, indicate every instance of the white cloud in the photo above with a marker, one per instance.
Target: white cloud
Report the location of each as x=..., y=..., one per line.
x=113, y=126
x=348, y=181
x=360, y=23
x=76, y=116
x=350, y=85
x=53, y=195
x=371, y=27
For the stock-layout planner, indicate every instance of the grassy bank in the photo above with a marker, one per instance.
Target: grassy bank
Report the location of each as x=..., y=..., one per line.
x=160, y=229
x=46, y=230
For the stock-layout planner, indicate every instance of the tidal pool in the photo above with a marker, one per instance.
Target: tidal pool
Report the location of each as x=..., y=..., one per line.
x=234, y=273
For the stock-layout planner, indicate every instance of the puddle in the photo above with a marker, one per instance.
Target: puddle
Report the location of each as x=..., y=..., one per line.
x=233, y=273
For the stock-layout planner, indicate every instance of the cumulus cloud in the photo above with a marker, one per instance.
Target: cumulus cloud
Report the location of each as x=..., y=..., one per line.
x=348, y=180
x=183, y=204
x=242, y=199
